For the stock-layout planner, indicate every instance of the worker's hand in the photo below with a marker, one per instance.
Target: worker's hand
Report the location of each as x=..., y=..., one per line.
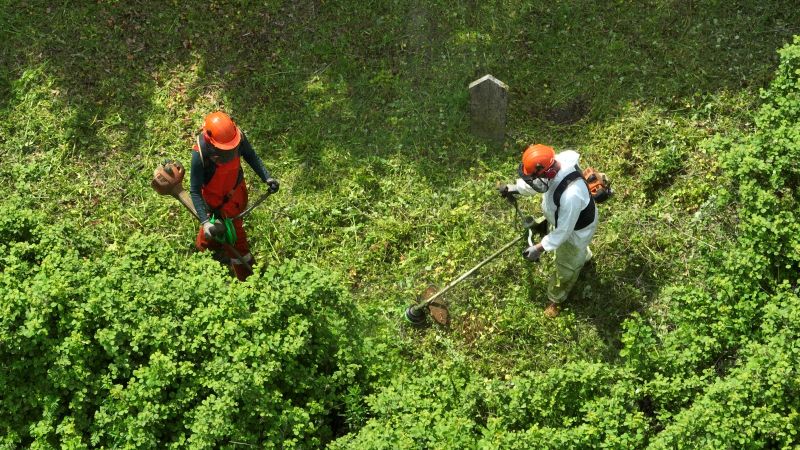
x=531, y=253
x=506, y=192
x=273, y=185
x=210, y=230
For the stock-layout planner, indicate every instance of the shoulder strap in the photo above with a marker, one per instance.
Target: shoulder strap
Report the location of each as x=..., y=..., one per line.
x=563, y=185
x=587, y=214
x=202, y=148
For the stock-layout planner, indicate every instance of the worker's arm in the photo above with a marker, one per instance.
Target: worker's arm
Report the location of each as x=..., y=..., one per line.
x=523, y=188
x=249, y=155
x=195, y=184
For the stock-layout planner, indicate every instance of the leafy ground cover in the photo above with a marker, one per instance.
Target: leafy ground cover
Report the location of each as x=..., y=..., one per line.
x=138, y=349
x=359, y=108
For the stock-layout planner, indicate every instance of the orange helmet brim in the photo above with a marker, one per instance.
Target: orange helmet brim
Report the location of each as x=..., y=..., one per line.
x=230, y=145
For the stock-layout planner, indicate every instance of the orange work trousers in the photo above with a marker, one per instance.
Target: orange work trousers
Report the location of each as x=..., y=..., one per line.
x=236, y=203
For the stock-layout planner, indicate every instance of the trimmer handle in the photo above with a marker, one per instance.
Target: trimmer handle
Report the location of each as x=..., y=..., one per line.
x=538, y=226
x=218, y=229
x=511, y=198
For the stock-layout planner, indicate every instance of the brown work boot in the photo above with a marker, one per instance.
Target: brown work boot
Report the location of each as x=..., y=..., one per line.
x=552, y=310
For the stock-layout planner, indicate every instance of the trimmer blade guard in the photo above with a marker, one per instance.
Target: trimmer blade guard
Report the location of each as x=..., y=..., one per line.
x=168, y=178
x=439, y=312
x=437, y=308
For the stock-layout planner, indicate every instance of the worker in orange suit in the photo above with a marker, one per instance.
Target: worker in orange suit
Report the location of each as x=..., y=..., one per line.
x=218, y=188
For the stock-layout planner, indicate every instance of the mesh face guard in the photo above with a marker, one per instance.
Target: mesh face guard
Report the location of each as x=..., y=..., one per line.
x=223, y=156
x=539, y=184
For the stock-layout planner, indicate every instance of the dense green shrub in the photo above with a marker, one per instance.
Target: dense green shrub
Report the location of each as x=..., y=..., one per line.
x=741, y=331
x=135, y=347
x=435, y=406
x=756, y=404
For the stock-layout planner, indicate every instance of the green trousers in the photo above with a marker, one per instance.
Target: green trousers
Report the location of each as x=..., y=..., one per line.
x=569, y=262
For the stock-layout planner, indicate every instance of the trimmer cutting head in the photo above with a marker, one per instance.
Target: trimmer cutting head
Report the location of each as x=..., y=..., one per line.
x=416, y=314
x=415, y=317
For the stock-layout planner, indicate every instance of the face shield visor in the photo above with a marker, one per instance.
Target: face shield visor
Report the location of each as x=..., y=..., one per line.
x=222, y=156
x=538, y=183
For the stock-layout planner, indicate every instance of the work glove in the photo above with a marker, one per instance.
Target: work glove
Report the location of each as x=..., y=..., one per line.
x=210, y=229
x=531, y=253
x=273, y=185
x=506, y=192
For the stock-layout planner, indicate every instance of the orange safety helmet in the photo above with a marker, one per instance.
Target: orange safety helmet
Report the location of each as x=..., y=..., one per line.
x=221, y=132
x=538, y=160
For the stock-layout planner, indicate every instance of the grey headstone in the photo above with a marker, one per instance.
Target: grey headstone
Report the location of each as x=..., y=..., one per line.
x=488, y=101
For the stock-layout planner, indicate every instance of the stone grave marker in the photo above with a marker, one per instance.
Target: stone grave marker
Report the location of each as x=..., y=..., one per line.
x=488, y=101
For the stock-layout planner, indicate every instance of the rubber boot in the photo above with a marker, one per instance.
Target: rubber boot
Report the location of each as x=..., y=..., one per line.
x=552, y=310
x=240, y=270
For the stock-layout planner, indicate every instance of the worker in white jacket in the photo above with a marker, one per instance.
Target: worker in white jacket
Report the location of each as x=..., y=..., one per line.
x=570, y=212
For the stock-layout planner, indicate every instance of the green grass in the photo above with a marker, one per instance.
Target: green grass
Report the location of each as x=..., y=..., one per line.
x=360, y=109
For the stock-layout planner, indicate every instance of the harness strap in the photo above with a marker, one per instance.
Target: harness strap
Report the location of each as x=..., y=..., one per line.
x=587, y=214
x=201, y=149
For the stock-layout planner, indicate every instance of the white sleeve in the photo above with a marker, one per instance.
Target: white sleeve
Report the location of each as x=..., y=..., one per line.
x=568, y=214
x=523, y=188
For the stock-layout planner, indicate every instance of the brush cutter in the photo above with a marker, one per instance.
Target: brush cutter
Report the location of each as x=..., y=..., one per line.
x=168, y=180
x=415, y=314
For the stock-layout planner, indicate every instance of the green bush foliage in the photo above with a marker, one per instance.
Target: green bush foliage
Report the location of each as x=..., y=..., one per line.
x=738, y=331
x=137, y=347
x=438, y=406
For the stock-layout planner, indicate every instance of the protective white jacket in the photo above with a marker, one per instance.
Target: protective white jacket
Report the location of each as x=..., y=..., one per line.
x=573, y=200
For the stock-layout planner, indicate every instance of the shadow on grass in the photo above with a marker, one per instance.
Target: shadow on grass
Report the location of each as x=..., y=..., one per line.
x=606, y=299
x=342, y=85
x=381, y=80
